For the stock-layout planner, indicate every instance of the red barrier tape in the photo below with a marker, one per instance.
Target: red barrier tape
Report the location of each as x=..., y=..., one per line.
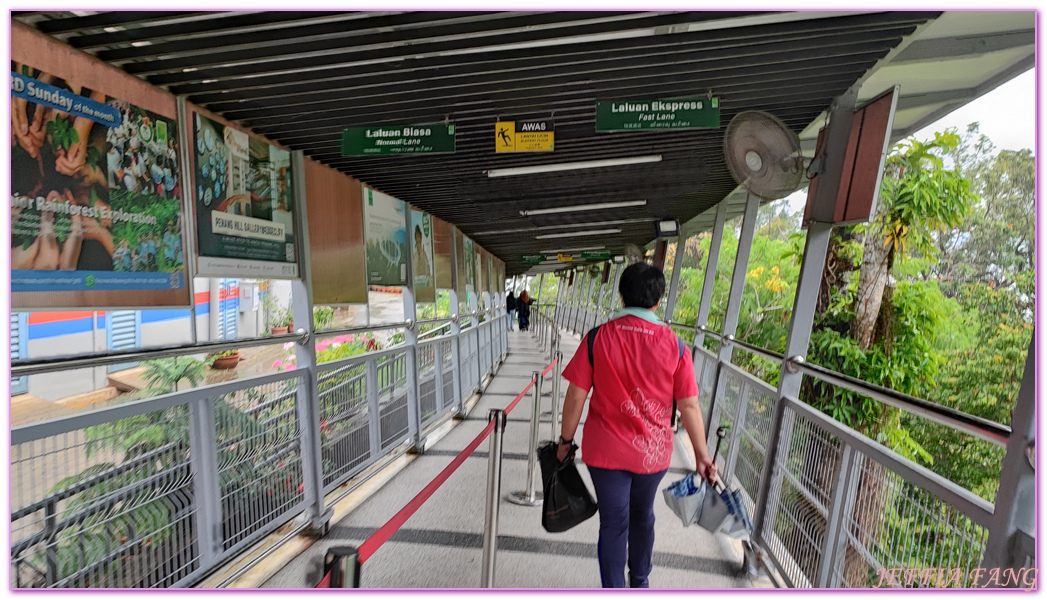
x=368, y=548
x=373, y=543
x=325, y=582
x=550, y=367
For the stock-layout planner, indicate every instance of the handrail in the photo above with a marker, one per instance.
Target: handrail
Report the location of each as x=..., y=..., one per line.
x=765, y=353
x=982, y=428
x=361, y=329
x=37, y=366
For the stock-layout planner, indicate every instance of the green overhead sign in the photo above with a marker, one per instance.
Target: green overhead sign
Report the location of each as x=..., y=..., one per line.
x=684, y=113
x=408, y=139
x=596, y=255
x=532, y=259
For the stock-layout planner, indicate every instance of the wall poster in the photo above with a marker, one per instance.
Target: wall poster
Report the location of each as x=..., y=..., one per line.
x=385, y=236
x=96, y=209
x=422, y=256
x=244, y=203
x=470, y=265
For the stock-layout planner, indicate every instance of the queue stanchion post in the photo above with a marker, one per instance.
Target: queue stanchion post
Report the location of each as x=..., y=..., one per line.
x=530, y=497
x=341, y=568
x=494, y=493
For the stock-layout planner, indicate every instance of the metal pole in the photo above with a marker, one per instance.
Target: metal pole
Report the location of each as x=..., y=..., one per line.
x=674, y=277
x=709, y=279
x=343, y=563
x=456, y=351
x=741, y=269
x=530, y=497
x=494, y=493
x=555, y=408
x=797, y=344
x=1013, y=530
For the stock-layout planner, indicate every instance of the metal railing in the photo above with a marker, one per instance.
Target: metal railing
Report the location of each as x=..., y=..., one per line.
x=160, y=492
x=840, y=507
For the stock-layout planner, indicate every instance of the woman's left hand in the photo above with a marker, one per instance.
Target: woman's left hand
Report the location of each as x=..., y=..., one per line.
x=562, y=451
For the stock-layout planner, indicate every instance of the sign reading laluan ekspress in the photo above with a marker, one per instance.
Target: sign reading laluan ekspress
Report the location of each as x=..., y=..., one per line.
x=683, y=113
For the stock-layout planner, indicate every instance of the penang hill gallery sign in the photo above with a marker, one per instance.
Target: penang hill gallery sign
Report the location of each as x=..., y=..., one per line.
x=408, y=139
x=681, y=113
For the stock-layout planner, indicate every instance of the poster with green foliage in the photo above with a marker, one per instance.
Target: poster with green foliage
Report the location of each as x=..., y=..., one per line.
x=95, y=196
x=422, y=254
x=385, y=237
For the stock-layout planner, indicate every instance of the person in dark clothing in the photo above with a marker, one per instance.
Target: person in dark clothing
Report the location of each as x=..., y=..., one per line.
x=523, y=307
x=510, y=309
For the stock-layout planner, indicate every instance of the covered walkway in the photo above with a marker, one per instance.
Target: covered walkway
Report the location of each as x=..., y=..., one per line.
x=441, y=545
x=241, y=176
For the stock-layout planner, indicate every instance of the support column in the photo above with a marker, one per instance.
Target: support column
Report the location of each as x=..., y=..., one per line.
x=710, y=273
x=797, y=344
x=674, y=277
x=741, y=269
x=1012, y=534
x=456, y=356
x=308, y=398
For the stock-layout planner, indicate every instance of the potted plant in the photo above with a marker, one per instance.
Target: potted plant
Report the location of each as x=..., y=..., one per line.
x=226, y=359
x=281, y=322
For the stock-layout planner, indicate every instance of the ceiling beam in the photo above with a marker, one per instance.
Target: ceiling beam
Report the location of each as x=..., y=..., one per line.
x=964, y=46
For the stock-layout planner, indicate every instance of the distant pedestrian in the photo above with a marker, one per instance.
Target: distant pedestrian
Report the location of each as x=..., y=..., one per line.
x=510, y=308
x=523, y=308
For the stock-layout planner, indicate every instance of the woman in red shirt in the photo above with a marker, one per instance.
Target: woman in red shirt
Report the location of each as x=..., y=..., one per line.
x=628, y=440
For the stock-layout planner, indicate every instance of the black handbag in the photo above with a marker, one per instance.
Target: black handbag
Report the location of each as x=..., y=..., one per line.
x=567, y=502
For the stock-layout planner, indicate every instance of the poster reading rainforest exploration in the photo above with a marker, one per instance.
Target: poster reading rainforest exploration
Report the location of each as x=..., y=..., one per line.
x=422, y=259
x=96, y=208
x=385, y=238
x=244, y=203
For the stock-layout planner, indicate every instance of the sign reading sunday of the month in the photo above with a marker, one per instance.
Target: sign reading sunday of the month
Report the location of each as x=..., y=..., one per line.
x=684, y=113
x=407, y=139
x=524, y=136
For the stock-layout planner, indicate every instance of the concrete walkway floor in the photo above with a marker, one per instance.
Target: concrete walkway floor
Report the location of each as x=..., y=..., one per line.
x=441, y=545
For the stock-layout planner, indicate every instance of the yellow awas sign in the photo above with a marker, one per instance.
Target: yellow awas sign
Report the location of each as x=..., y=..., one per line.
x=523, y=136
x=564, y=257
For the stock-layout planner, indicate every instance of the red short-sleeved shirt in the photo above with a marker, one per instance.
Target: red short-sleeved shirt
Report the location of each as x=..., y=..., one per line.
x=637, y=371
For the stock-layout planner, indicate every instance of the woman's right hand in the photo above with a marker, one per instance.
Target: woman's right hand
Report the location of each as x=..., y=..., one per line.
x=706, y=468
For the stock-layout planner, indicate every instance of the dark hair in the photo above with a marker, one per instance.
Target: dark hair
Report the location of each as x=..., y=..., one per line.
x=642, y=285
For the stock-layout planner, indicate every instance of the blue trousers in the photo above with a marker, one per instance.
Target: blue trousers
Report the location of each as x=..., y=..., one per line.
x=626, y=502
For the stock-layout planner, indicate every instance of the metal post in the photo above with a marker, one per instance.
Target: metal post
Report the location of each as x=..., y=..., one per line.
x=674, y=277
x=374, y=413
x=414, y=422
x=307, y=401
x=797, y=343
x=456, y=332
x=530, y=497
x=839, y=512
x=494, y=493
x=1015, y=515
x=343, y=563
x=474, y=319
x=203, y=460
x=555, y=405
x=709, y=280
x=741, y=269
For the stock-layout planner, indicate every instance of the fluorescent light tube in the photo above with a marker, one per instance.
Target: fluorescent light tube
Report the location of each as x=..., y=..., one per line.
x=566, y=250
x=588, y=164
x=550, y=236
x=581, y=207
x=566, y=226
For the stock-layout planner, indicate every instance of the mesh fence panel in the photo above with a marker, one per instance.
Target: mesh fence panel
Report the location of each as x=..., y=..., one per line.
x=447, y=361
x=110, y=505
x=258, y=438
x=427, y=384
x=392, y=398
x=897, y=524
x=345, y=438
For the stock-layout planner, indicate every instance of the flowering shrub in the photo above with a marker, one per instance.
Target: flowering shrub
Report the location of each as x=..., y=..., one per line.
x=332, y=349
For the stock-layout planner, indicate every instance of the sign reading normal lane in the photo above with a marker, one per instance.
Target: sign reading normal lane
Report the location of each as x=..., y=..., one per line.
x=681, y=113
x=408, y=139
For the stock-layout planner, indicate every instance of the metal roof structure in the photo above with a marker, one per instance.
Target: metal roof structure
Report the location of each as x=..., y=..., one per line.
x=299, y=78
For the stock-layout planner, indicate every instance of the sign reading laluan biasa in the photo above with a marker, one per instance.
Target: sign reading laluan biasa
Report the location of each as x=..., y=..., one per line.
x=684, y=113
x=408, y=139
